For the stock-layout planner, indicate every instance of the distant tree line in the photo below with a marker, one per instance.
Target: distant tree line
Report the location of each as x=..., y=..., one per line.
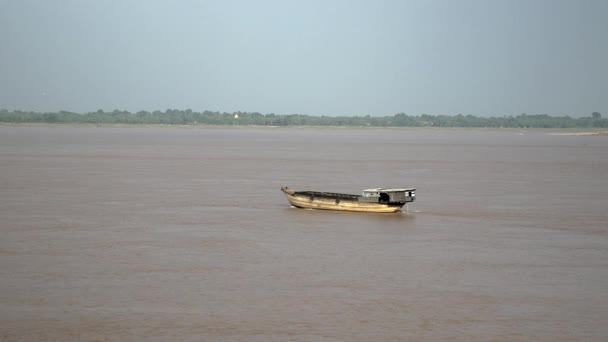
x=190, y=117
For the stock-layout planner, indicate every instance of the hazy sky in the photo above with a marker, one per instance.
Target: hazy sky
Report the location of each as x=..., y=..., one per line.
x=312, y=57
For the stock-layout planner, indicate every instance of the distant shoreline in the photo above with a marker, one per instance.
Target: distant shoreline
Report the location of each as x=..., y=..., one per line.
x=586, y=133
x=548, y=131
x=208, y=118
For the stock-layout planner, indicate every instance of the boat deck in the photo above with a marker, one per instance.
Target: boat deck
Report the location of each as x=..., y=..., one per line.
x=319, y=194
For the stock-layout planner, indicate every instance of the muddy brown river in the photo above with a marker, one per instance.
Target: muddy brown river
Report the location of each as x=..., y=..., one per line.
x=175, y=234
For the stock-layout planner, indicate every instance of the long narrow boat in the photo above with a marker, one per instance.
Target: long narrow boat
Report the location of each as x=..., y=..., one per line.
x=378, y=200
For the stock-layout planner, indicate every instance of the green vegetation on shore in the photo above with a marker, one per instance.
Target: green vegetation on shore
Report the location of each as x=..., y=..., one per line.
x=189, y=117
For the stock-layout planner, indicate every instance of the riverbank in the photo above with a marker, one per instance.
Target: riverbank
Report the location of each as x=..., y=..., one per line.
x=598, y=133
x=548, y=131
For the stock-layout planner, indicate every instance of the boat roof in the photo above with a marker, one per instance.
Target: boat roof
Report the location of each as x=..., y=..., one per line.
x=388, y=190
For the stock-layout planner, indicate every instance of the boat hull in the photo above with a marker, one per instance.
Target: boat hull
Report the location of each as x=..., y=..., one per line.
x=339, y=203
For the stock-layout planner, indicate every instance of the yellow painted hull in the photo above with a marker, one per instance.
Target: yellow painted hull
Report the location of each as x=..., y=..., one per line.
x=309, y=202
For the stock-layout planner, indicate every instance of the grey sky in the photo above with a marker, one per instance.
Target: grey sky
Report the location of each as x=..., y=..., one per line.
x=312, y=57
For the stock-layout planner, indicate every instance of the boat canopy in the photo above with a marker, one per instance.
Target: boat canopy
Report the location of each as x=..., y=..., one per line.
x=388, y=190
x=376, y=192
x=389, y=195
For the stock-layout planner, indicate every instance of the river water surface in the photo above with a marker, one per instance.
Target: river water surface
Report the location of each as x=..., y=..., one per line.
x=183, y=234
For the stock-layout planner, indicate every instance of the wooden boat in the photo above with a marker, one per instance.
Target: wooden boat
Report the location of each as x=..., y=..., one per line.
x=372, y=200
